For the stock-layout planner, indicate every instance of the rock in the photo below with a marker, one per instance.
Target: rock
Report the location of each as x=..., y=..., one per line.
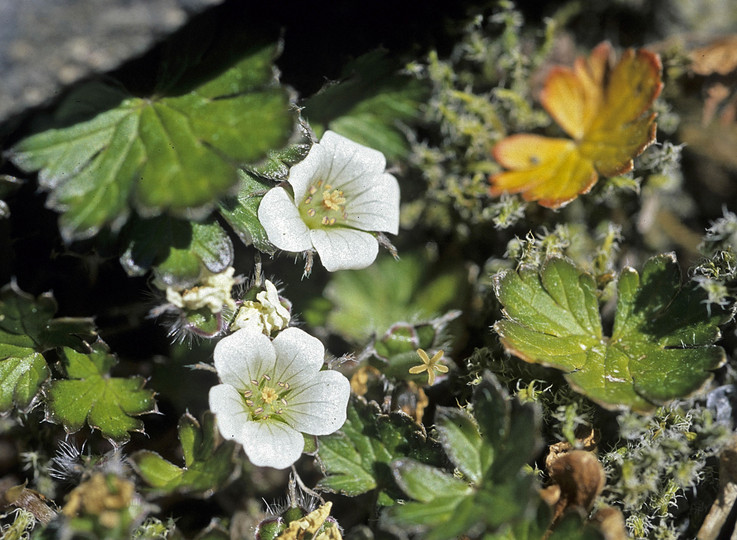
x=46, y=45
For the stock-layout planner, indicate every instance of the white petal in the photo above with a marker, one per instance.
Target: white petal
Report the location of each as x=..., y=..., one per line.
x=350, y=160
x=299, y=357
x=312, y=168
x=344, y=249
x=229, y=408
x=244, y=356
x=374, y=206
x=320, y=408
x=272, y=444
x=281, y=221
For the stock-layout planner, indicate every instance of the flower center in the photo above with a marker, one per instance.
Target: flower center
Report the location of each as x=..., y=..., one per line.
x=323, y=206
x=265, y=398
x=333, y=200
x=268, y=394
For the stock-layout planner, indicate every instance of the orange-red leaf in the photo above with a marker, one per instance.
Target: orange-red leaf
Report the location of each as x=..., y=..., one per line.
x=605, y=111
x=549, y=171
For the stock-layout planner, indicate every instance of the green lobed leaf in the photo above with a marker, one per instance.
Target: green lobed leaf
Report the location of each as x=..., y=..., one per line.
x=20, y=379
x=177, y=250
x=27, y=329
x=167, y=153
x=491, y=449
x=356, y=459
x=662, y=344
x=363, y=305
x=208, y=462
x=91, y=396
x=370, y=104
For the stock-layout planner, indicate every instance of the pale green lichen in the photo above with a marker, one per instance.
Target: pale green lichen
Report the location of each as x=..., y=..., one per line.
x=663, y=458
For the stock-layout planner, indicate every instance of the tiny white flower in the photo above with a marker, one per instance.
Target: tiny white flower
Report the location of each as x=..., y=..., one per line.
x=213, y=292
x=273, y=391
x=341, y=191
x=266, y=314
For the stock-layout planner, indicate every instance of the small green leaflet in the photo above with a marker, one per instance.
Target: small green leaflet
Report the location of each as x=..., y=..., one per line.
x=90, y=395
x=176, y=249
x=207, y=464
x=356, y=459
x=662, y=343
x=172, y=152
x=27, y=329
x=490, y=449
x=241, y=211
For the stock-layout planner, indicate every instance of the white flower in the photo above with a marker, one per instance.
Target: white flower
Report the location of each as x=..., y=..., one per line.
x=265, y=314
x=273, y=391
x=213, y=293
x=341, y=190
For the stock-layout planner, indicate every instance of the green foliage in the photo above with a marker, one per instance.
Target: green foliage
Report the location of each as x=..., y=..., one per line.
x=166, y=165
x=662, y=341
x=90, y=395
x=370, y=104
x=241, y=212
x=363, y=305
x=241, y=209
x=171, y=152
x=178, y=251
x=356, y=459
x=573, y=240
x=396, y=351
x=208, y=464
x=570, y=527
x=489, y=449
x=27, y=329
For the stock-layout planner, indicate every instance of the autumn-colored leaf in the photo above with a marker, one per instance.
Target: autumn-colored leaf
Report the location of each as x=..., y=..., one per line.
x=603, y=108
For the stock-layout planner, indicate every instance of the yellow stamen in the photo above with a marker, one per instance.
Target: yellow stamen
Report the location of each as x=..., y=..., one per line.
x=333, y=200
x=268, y=394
